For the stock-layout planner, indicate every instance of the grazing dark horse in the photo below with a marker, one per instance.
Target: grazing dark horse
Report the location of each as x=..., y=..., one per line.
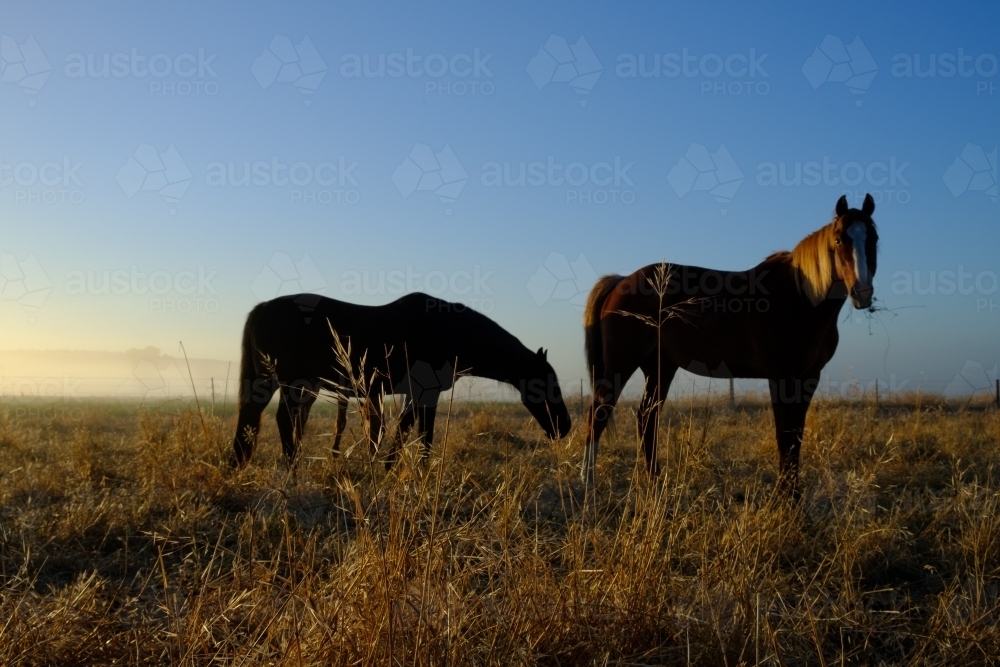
x=415, y=346
x=777, y=321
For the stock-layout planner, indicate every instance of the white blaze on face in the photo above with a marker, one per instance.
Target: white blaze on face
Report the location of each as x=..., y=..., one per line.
x=858, y=233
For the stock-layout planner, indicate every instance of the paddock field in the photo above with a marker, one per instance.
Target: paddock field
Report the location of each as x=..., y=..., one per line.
x=126, y=539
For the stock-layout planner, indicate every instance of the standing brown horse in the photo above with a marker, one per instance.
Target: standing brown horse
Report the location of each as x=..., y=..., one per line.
x=777, y=321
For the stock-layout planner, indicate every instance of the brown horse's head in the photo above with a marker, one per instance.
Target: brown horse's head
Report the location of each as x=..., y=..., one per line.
x=855, y=249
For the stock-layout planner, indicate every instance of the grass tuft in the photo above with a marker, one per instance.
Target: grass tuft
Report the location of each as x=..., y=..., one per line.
x=125, y=538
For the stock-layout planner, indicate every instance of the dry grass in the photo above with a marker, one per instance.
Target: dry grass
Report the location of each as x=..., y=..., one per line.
x=126, y=539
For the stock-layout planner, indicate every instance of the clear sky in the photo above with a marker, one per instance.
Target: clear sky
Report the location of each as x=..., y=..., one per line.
x=385, y=143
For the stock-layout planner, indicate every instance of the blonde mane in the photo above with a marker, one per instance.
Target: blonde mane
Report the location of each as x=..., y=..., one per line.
x=813, y=263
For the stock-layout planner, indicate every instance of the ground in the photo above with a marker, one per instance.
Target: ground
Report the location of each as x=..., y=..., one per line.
x=125, y=538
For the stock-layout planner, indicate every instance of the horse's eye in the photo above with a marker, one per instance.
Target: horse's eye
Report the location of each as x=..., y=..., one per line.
x=838, y=241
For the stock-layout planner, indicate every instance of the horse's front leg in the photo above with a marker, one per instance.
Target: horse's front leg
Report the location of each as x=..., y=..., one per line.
x=341, y=424
x=790, y=399
x=372, y=411
x=426, y=412
x=409, y=416
x=404, y=424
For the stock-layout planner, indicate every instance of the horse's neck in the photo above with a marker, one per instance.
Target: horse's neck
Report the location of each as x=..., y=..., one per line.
x=827, y=309
x=491, y=352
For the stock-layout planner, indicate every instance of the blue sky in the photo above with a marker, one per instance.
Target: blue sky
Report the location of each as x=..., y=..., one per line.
x=70, y=203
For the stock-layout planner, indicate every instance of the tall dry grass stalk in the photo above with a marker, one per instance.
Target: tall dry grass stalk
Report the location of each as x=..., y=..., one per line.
x=126, y=539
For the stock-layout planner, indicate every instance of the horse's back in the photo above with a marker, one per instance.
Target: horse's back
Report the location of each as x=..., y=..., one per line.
x=712, y=322
x=298, y=330
x=342, y=311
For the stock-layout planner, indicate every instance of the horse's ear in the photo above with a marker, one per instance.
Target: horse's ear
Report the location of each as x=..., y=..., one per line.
x=542, y=354
x=869, y=206
x=842, y=205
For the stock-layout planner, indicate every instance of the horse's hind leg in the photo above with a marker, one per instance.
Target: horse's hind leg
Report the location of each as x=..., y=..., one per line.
x=293, y=412
x=606, y=393
x=655, y=391
x=307, y=402
x=286, y=429
x=255, y=398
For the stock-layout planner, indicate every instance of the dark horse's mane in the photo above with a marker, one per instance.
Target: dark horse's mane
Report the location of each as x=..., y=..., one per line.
x=465, y=318
x=485, y=324
x=497, y=334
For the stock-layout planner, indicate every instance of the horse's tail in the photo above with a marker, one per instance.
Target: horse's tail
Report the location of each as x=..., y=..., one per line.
x=592, y=325
x=248, y=371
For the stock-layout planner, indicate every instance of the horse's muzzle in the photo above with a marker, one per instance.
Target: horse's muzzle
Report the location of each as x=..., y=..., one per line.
x=861, y=297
